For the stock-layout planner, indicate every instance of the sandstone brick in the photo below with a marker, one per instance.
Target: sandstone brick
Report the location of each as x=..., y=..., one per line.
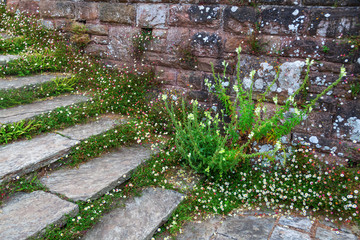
x=283, y=20
x=57, y=9
x=87, y=11
x=347, y=120
x=207, y=44
x=233, y=42
x=102, y=40
x=190, y=79
x=331, y=3
x=96, y=50
x=279, y=2
x=97, y=29
x=62, y=24
x=195, y=15
x=161, y=59
x=28, y=7
x=166, y=76
x=120, y=45
x=117, y=13
x=330, y=22
x=177, y=38
x=152, y=16
x=240, y=20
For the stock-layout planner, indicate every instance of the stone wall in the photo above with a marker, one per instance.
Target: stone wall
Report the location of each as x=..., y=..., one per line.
x=191, y=34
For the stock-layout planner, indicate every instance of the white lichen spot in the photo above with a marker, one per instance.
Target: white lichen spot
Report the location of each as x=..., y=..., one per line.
x=289, y=77
x=296, y=12
x=247, y=82
x=259, y=84
x=201, y=7
x=327, y=15
x=358, y=60
x=233, y=9
x=314, y=139
x=354, y=124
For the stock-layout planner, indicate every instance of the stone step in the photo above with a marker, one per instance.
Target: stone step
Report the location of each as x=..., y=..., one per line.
x=4, y=59
x=140, y=217
x=17, y=82
x=98, y=176
x=25, y=156
x=26, y=111
x=27, y=215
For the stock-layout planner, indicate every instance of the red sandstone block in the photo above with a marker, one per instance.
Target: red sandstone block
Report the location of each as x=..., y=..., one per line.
x=87, y=10
x=195, y=15
x=152, y=15
x=51, y=9
x=166, y=76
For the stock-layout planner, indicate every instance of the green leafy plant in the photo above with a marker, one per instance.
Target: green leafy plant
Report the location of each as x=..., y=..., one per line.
x=10, y=132
x=65, y=84
x=212, y=153
x=325, y=49
x=355, y=89
x=255, y=44
x=140, y=42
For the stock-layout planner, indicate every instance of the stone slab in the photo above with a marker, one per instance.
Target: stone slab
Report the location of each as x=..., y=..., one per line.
x=140, y=218
x=297, y=222
x=288, y=234
x=4, y=59
x=28, y=155
x=26, y=111
x=249, y=227
x=98, y=176
x=81, y=132
x=323, y=234
x=17, y=82
x=199, y=230
x=27, y=215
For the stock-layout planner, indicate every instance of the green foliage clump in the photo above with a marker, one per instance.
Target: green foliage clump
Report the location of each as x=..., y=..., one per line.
x=141, y=42
x=214, y=149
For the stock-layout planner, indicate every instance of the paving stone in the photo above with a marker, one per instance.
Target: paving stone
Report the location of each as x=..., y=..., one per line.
x=81, y=132
x=140, y=218
x=25, y=156
x=97, y=176
x=288, y=234
x=27, y=215
x=248, y=227
x=22, y=112
x=298, y=222
x=323, y=234
x=17, y=82
x=4, y=59
x=199, y=230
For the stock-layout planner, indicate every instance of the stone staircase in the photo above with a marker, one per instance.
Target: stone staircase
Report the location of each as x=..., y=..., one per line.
x=26, y=215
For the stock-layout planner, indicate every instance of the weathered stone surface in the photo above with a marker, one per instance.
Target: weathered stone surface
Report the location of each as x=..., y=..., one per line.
x=329, y=22
x=286, y=233
x=289, y=77
x=22, y=112
x=27, y=215
x=165, y=75
x=102, y=40
x=251, y=228
x=332, y=3
x=347, y=121
x=86, y=10
x=120, y=42
x=81, y=132
x=240, y=19
x=117, y=12
x=190, y=79
x=323, y=234
x=195, y=15
x=283, y=20
x=96, y=50
x=18, y=82
x=4, y=59
x=97, y=176
x=199, y=230
x=297, y=222
x=51, y=9
x=28, y=155
x=139, y=219
x=207, y=44
x=97, y=29
x=151, y=16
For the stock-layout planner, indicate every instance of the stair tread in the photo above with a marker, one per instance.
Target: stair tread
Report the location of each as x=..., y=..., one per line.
x=27, y=215
x=26, y=111
x=17, y=82
x=140, y=218
x=97, y=176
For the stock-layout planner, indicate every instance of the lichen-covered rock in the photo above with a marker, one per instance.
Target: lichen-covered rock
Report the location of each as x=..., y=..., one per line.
x=54, y=9
x=151, y=16
x=240, y=19
x=117, y=13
